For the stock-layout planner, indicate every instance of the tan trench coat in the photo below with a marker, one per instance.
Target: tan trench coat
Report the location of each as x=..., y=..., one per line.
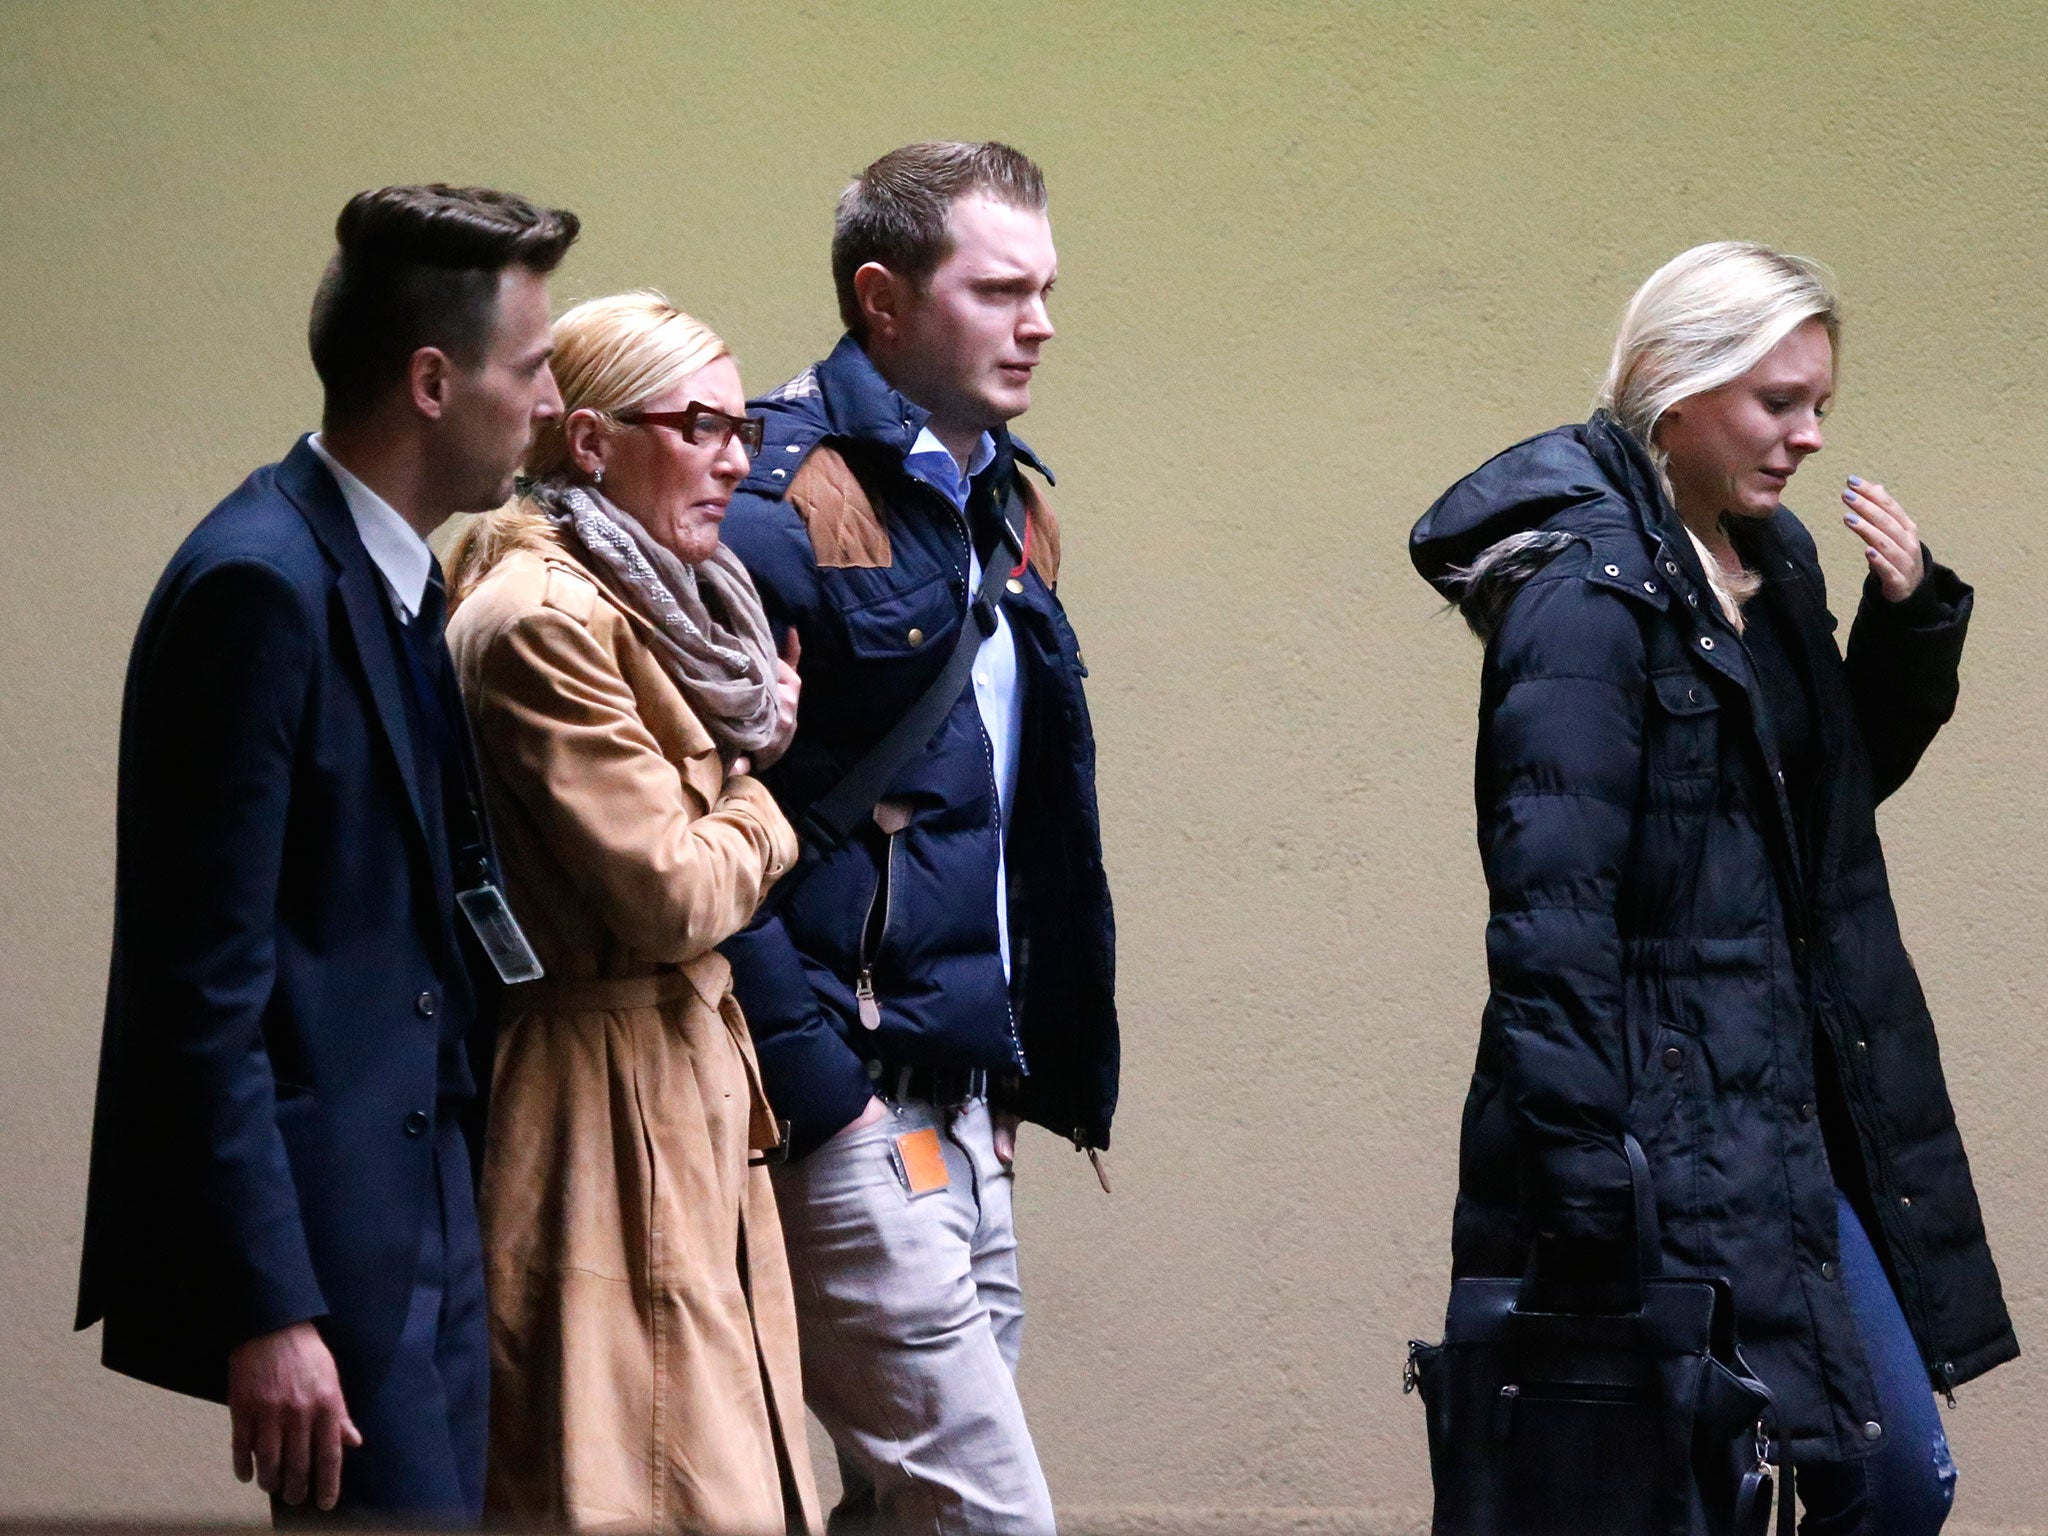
x=643, y=1342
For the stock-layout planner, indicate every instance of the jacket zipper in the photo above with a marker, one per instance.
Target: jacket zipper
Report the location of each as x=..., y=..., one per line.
x=1876, y=1175
x=988, y=750
x=871, y=938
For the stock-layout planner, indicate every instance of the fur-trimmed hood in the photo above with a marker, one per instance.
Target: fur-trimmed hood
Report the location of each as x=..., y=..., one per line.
x=1488, y=534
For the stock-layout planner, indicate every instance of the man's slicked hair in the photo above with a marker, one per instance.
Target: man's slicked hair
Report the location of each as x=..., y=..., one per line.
x=895, y=211
x=418, y=267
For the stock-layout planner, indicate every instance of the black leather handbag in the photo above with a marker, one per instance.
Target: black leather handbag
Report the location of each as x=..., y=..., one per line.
x=1635, y=1423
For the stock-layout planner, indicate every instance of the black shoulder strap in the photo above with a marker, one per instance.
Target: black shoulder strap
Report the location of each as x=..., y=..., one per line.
x=833, y=816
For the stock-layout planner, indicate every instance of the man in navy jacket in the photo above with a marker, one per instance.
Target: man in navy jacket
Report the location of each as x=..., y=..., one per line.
x=280, y=1212
x=949, y=969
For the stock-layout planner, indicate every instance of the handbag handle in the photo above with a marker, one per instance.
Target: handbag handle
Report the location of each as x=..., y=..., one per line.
x=1649, y=1247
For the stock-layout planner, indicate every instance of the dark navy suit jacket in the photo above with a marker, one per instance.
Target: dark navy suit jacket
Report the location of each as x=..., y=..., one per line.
x=285, y=953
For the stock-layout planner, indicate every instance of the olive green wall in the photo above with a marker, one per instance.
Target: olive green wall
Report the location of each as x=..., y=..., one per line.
x=1318, y=261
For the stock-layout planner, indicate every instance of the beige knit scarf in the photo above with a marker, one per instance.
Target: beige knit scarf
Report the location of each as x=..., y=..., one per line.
x=710, y=633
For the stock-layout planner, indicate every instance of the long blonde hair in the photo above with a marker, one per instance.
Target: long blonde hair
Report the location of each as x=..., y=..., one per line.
x=611, y=355
x=1702, y=320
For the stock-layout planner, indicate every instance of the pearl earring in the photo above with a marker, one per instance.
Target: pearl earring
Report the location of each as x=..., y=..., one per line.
x=597, y=475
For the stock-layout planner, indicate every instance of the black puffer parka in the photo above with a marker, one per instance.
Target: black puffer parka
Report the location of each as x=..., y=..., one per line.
x=1663, y=961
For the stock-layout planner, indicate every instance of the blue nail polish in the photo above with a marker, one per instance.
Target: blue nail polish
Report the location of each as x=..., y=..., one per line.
x=1855, y=479
x=1850, y=497
x=1852, y=519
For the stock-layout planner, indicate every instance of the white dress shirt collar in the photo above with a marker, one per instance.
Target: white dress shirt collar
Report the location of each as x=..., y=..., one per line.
x=401, y=556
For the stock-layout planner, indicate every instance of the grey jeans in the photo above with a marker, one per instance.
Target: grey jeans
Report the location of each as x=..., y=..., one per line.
x=910, y=1319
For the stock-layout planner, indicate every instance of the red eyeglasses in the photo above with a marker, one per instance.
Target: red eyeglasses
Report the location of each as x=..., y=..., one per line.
x=702, y=426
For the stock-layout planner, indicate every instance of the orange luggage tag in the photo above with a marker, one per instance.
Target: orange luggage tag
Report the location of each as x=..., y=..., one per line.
x=921, y=1161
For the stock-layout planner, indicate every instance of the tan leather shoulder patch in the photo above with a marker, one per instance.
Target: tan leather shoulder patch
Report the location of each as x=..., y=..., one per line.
x=845, y=528
x=1045, y=530
x=570, y=593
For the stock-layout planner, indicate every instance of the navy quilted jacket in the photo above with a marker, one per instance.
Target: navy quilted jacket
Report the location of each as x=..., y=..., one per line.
x=911, y=917
x=1663, y=961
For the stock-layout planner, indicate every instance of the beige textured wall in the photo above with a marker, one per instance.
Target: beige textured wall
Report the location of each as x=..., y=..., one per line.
x=1317, y=262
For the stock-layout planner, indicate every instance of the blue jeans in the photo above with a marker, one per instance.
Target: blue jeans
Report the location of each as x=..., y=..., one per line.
x=1905, y=1487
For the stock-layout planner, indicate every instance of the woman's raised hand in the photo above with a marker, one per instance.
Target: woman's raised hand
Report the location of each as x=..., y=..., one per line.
x=1891, y=542
x=788, y=688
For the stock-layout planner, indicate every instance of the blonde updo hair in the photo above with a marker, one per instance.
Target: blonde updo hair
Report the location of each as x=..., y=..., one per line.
x=1702, y=320
x=611, y=356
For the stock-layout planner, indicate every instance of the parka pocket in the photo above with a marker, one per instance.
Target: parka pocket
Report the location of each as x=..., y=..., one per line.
x=1684, y=727
x=901, y=624
x=1668, y=1116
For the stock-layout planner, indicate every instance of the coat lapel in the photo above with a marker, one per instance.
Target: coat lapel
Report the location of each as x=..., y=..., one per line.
x=306, y=481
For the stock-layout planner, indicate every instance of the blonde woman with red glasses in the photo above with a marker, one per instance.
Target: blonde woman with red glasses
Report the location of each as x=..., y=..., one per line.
x=619, y=674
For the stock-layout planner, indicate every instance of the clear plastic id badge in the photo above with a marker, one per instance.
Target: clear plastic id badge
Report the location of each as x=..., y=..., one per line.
x=491, y=919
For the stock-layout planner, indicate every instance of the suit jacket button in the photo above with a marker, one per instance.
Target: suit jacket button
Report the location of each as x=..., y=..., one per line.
x=416, y=1123
x=425, y=1004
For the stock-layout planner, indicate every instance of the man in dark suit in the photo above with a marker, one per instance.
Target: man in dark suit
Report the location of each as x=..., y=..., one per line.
x=280, y=1213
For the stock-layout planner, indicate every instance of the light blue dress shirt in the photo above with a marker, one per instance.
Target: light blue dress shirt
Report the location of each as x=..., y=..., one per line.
x=998, y=693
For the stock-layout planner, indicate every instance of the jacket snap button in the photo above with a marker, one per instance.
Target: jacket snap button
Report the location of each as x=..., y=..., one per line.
x=416, y=1123
x=1693, y=598
x=915, y=637
x=1829, y=1270
x=1612, y=570
x=1670, y=569
x=1013, y=585
x=1706, y=642
x=1692, y=695
x=1649, y=586
x=794, y=448
x=424, y=1005
x=1873, y=1430
x=1674, y=1058
x=1806, y=1111
x=1905, y=1199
